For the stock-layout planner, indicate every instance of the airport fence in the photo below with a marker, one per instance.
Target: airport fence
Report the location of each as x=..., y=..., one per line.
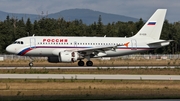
x=152, y=56
x=136, y=56
x=16, y=57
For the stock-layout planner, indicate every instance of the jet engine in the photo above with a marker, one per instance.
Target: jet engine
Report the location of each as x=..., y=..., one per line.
x=64, y=57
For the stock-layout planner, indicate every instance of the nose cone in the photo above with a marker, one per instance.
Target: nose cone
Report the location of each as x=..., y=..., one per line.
x=9, y=49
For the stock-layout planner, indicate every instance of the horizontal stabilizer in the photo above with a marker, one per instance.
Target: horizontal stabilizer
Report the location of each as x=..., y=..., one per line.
x=160, y=41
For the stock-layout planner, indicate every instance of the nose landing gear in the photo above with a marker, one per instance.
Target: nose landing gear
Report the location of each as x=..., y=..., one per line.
x=31, y=62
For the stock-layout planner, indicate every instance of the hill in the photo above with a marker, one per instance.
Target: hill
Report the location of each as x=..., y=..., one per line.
x=86, y=15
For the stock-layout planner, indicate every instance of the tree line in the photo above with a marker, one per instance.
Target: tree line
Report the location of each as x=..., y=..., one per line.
x=12, y=29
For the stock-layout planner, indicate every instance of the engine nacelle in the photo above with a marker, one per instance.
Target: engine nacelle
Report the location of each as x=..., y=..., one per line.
x=64, y=57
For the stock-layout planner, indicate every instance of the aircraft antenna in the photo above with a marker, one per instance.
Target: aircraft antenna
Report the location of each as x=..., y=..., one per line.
x=38, y=14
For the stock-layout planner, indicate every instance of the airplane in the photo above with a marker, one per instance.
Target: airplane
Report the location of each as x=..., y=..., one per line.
x=60, y=49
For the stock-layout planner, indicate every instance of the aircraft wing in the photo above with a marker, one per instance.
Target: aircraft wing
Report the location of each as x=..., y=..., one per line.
x=98, y=49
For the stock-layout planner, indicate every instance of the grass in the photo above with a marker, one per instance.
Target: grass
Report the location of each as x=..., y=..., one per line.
x=97, y=62
x=143, y=71
x=88, y=89
x=74, y=89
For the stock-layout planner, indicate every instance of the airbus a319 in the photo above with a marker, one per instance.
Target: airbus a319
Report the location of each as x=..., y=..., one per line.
x=71, y=49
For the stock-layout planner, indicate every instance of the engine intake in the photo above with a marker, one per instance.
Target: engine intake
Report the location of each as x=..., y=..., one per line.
x=64, y=57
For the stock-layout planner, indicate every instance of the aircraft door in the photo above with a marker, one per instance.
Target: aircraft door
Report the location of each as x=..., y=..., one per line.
x=133, y=44
x=32, y=43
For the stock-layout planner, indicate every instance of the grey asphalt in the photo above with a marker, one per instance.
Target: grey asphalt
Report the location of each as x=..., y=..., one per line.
x=89, y=76
x=109, y=67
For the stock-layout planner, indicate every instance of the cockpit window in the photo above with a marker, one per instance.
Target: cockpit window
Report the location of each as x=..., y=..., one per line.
x=15, y=42
x=18, y=42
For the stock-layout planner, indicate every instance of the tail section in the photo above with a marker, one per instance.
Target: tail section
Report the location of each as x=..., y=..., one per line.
x=152, y=28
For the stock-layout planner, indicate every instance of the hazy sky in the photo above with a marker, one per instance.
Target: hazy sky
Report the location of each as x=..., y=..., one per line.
x=133, y=8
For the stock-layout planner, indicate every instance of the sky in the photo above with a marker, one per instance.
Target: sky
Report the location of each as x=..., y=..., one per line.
x=132, y=8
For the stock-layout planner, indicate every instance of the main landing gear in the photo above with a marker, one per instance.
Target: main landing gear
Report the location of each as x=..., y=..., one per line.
x=88, y=63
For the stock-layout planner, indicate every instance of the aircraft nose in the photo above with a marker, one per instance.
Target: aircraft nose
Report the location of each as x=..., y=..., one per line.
x=9, y=49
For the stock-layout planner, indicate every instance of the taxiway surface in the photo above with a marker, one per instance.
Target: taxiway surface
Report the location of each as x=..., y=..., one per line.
x=89, y=76
x=84, y=67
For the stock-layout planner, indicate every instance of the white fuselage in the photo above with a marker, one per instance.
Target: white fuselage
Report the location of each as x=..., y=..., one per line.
x=45, y=45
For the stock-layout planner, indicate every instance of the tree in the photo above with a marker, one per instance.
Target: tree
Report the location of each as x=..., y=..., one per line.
x=99, y=27
x=12, y=28
x=139, y=24
x=28, y=26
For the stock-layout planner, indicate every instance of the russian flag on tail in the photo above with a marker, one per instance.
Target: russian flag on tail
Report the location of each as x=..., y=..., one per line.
x=152, y=23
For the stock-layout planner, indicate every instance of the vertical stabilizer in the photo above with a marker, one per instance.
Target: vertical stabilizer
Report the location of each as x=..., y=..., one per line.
x=152, y=28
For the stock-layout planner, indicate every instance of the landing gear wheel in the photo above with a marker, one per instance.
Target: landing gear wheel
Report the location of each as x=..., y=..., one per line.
x=89, y=63
x=30, y=64
x=81, y=63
